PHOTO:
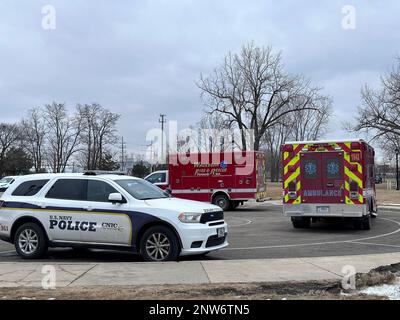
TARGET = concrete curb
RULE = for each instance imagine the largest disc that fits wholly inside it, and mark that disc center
(31, 274)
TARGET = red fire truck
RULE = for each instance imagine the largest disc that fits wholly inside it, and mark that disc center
(226, 179)
(326, 179)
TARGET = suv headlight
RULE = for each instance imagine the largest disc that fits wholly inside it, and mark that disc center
(187, 217)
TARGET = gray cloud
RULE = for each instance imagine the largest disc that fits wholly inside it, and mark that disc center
(140, 58)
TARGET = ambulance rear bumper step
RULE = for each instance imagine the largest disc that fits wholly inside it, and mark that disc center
(263, 199)
(325, 210)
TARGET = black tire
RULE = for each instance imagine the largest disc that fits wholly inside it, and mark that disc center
(233, 205)
(222, 201)
(363, 223)
(373, 213)
(38, 241)
(366, 223)
(301, 223)
(158, 234)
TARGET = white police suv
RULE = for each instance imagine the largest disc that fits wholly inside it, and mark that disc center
(107, 212)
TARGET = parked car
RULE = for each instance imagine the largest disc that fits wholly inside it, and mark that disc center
(6, 182)
(106, 212)
(378, 180)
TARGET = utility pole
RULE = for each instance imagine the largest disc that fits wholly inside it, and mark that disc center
(162, 121)
(122, 154)
(149, 154)
(397, 169)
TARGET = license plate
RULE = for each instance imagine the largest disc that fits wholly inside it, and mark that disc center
(220, 232)
(324, 209)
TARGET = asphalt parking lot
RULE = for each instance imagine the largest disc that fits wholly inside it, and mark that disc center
(259, 231)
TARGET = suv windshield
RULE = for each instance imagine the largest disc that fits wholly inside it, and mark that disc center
(141, 189)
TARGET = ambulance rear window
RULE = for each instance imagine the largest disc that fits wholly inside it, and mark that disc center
(29, 188)
(310, 168)
(333, 168)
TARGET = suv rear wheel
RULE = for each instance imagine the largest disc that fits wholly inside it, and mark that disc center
(30, 241)
(159, 244)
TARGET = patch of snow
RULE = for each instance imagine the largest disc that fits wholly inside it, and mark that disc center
(391, 291)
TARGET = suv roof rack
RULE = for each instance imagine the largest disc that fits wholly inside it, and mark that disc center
(100, 172)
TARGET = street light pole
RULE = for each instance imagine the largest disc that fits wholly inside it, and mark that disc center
(162, 121)
(397, 169)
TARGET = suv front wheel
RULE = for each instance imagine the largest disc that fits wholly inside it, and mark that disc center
(159, 243)
(30, 241)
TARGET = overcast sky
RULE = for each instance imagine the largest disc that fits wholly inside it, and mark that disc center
(141, 58)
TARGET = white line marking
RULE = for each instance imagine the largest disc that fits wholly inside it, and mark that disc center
(321, 243)
(377, 244)
(11, 251)
(242, 224)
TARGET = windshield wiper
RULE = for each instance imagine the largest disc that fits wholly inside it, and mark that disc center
(153, 198)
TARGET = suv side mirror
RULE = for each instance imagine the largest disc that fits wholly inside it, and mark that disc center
(116, 198)
(168, 191)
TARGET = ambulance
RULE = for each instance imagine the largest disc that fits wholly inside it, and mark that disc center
(329, 179)
(226, 179)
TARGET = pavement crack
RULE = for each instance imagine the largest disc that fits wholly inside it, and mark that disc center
(27, 276)
(204, 269)
(317, 266)
(82, 275)
(66, 271)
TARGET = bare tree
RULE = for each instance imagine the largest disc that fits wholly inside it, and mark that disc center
(379, 113)
(9, 138)
(214, 134)
(98, 132)
(388, 143)
(311, 124)
(63, 135)
(272, 141)
(306, 124)
(252, 90)
(34, 132)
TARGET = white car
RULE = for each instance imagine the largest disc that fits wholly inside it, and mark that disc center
(6, 182)
(108, 212)
(158, 178)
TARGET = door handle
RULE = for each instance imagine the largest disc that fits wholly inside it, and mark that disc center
(88, 208)
(329, 184)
